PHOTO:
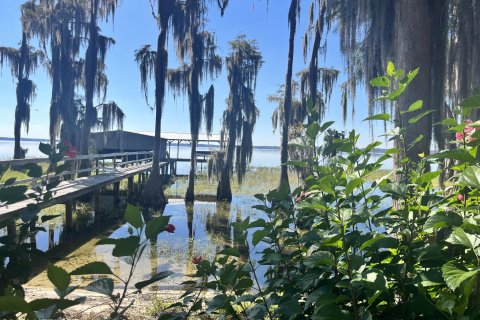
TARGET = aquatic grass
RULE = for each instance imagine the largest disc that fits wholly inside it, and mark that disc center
(256, 180)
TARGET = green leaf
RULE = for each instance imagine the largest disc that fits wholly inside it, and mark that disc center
(454, 276)
(126, 247)
(312, 130)
(103, 286)
(380, 116)
(459, 236)
(373, 279)
(319, 258)
(14, 304)
(9, 182)
(395, 189)
(13, 194)
(59, 277)
(369, 242)
(456, 154)
(428, 177)
(133, 215)
(417, 139)
(217, 303)
(352, 184)
(326, 125)
(449, 122)
(230, 252)
(417, 105)
(243, 284)
(42, 303)
(61, 168)
(419, 117)
(471, 102)
(34, 170)
(55, 157)
(390, 69)
(96, 267)
(442, 220)
(107, 241)
(289, 307)
(470, 177)
(258, 236)
(410, 76)
(382, 81)
(45, 148)
(155, 226)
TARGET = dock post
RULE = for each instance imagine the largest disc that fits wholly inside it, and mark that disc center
(130, 189)
(69, 215)
(96, 205)
(116, 193)
(12, 229)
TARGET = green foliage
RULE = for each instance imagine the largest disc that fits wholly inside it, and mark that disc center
(16, 252)
(346, 247)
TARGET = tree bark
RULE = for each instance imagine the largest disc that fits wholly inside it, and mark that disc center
(287, 106)
(18, 153)
(413, 50)
(224, 189)
(195, 112)
(91, 62)
(153, 194)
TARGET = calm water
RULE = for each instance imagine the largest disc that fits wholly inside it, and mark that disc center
(260, 157)
(201, 230)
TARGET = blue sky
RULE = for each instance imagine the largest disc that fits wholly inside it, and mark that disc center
(134, 26)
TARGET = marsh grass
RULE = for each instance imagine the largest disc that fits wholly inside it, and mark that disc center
(256, 180)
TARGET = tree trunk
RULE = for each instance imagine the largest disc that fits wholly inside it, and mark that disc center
(413, 48)
(190, 194)
(91, 63)
(224, 189)
(17, 153)
(153, 194)
(195, 112)
(287, 106)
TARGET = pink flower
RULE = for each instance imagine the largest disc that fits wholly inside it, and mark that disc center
(459, 136)
(467, 132)
(170, 228)
(197, 259)
(71, 152)
(460, 197)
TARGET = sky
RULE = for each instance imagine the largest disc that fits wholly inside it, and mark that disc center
(134, 27)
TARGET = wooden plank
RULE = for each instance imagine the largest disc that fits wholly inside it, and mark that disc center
(68, 190)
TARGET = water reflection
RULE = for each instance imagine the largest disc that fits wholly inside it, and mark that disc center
(202, 229)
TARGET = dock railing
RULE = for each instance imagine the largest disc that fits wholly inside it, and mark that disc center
(99, 163)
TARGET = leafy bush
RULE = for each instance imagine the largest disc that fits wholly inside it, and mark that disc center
(345, 247)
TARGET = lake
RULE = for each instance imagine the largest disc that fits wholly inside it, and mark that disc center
(262, 157)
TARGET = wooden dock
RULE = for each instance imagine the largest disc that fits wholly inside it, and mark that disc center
(105, 169)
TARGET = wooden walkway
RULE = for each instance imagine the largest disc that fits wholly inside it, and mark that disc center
(71, 189)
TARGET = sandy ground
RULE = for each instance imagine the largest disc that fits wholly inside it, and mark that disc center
(96, 305)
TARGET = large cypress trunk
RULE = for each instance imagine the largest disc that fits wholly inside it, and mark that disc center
(224, 189)
(17, 152)
(21, 98)
(195, 114)
(153, 195)
(413, 48)
(91, 63)
(287, 106)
